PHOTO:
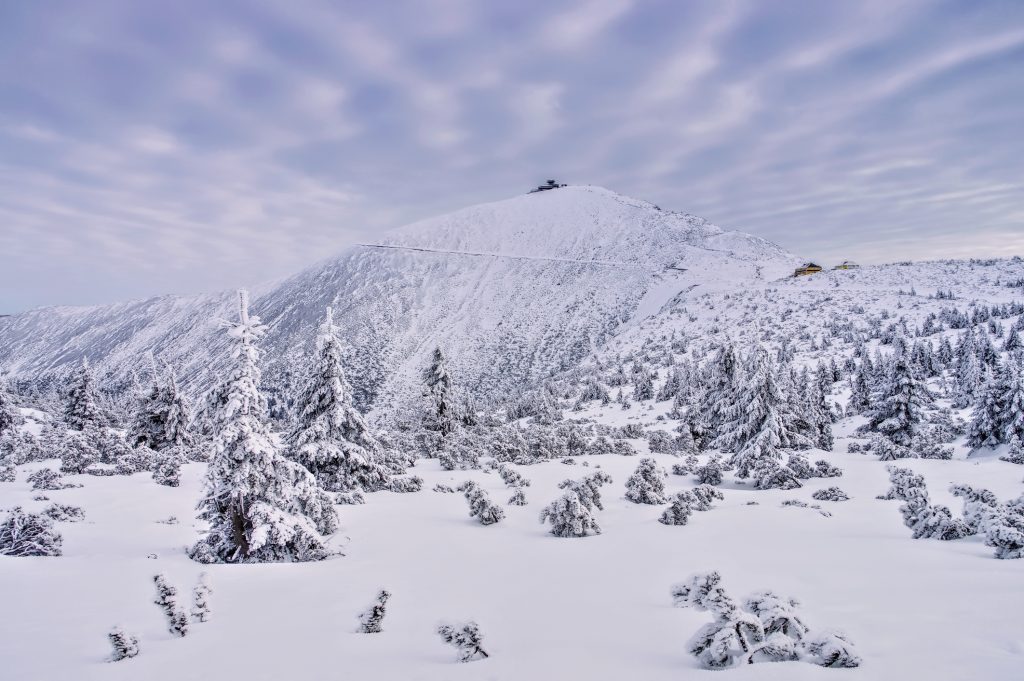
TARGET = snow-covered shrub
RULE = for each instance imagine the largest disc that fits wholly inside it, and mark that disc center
(830, 494)
(371, 620)
(679, 512)
(853, 448)
(599, 446)
(136, 460)
(801, 467)
(64, 513)
(733, 635)
(167, 467)
(777, 615)
(978, 504)
(647, 484)
(902, 480)
(466, 638)
(1004, 529)
(201, 599)
(887, 450)
(824, 469)
(661, 442)
(512, 478)
(624, 448)
(28, 534)
(770, 474)
(588, 488)
(81, 450)
(710, 473)
(408, 484)
(830, 649)
(1015, 453)
(928, 521)
(518, 498)
(570, 516)
(687, 467)
(480, 505)
(167, 599)
(123, 644)
(443, 488)
(350, 498)
(8, 473)
(703, 496)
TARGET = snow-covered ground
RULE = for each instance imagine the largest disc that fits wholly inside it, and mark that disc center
(550, 608)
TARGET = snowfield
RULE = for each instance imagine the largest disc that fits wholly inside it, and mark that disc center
(596, 607)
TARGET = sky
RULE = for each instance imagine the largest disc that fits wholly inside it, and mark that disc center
(190, 146)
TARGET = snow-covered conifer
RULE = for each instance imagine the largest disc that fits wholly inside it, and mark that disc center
(680, 510)
(331, 439)
(9, 416)
(260, 506)
(518, 498)
(512, 477)
(480, 505)
(201, 599)
(830, 494)
(778, 615)
(647, 484)
(704, 496)
(28, 534)
(928, 521)
(466, 638)
(46, 478)
(570, 515)
(978, 504)
(406, 484)
(371, 621)
(82, 407)
(768, 473)
(860, 392)
(1004, 529)
(986, 429)
(898, 409)
(829, 649)
(1015, 454)
(123, 644)
(167, 467)
(441, 413)
(81, 449)
(167, 599)
(733, 635)
(64, 513)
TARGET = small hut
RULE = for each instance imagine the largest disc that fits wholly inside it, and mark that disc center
(806, 269)
(550, 184)
(846, 265)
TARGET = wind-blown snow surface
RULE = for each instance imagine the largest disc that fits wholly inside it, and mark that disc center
(513, 291)
(594, 608)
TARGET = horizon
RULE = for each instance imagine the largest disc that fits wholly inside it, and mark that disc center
(180, 150)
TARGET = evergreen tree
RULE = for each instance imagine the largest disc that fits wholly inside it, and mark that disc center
(123, 644)
(178, 419)
(167, 599)
(480, 505)
(466, 638)
(1016, 451)
(148, 423)
(860, 391)
(588, 489)
(647, 484)
(570, 517)
(371, 620)
(1013, 399)
(441, 413)
(898, 409)
(331, 439)
(82, 407)
(733, 635)
(9, 416)
(167, 467)
(201, 599)
(761, 421)
(28, 534)
(986, 429)
(260, 506)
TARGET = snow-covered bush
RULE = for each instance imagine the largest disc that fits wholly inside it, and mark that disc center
(349, 498)
(1015, 453)
(687, 467)
(518, 498)
(466, 638)
(571, 516)
(167, 467)
(703, 496)
(201, 599)
(978, 504)
(830, 494)
(480, 505)
(167, 599)
(770, 474)
(710, 473)
(824, 469)
(647, 484)
(123, 644)
(405, 485)
(661, 442)
(371, 620)
(64, 513)
(830, 649)
(511, 477)
(28, 534)
(443, 488)
(678, 513)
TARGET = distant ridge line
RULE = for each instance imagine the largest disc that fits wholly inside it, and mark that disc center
(604, 263)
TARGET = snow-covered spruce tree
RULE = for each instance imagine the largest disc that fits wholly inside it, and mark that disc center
(466, 638)
(733, 635)
(647, 484)
(902, 480)
(512, 477)
(480, 505)
(28, 534)
(167, 467)
(201, 599)
(588, 488)
(178, 431)
(260, 506)
(1013, 399)
(761, 421)
(1003, 527)
(1016, 452)
(928, 521)
(148, 422)
(9, 416)
(331, 439)
(768, 473)
(819, 413)
(986, 429)
(897, 410)
(441, 412)
(710, 473)
(680, 510)
(82, 408)
(783, 628)
(123, 645)
(518, 498)
(167, 599)
(570, 516)
(860, 392)
(81, 449)
(717, 395)
(371, 621)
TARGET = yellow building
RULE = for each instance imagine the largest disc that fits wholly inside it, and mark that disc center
(807, 268)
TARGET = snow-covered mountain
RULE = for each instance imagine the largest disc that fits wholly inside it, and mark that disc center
(513, 291)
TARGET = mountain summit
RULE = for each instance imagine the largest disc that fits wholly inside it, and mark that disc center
(512, 290)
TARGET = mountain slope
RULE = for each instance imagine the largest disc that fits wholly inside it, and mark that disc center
(512, 290)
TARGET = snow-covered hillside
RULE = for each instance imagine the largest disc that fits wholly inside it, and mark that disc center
(513, 290)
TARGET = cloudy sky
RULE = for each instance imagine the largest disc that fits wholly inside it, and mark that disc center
(191, 145)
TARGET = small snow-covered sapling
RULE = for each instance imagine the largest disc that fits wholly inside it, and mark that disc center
(167, 599)
(124, 645)
(201, 599)
(371, 620)
(647, 484)
(466, 638)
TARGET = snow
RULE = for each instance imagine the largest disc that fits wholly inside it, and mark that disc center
(596, 607)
